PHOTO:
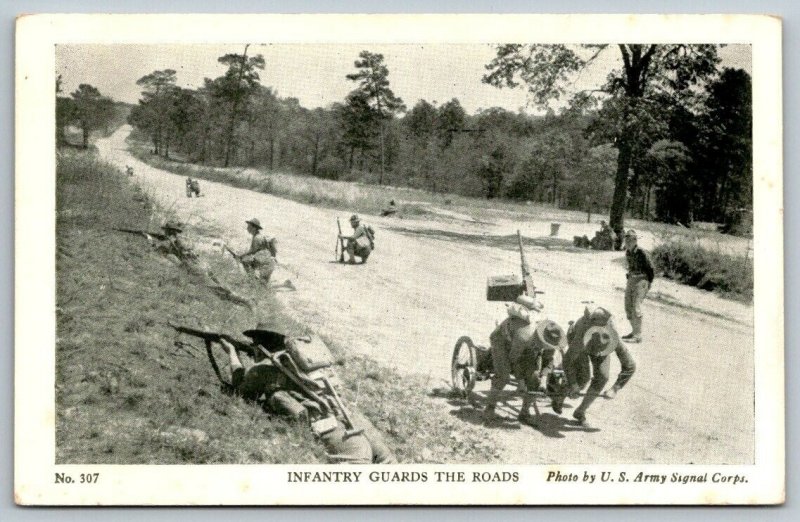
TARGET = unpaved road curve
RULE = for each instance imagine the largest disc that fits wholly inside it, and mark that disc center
(691, 400)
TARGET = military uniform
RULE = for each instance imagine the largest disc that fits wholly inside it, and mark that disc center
(261, 256)
(261, 381)
(640, 276)
(592, 338)
(361, 243)
(529, 351)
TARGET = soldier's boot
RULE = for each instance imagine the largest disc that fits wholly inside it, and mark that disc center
(611, 392)
(636, 334)
(580, 412)
(629, 336)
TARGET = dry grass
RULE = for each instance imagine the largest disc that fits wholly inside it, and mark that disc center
(127, 394)
(356, 196)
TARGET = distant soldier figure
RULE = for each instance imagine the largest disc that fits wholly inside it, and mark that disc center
(128, 170)
(527, 350)
(592, 339)
(603, 239)
(640, 276)
(192, 187)
(261, 380)
(361, 243)
(390, 210)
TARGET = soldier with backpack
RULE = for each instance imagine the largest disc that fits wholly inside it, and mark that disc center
(361, 243)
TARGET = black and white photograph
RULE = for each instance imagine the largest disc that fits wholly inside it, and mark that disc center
(480, 270)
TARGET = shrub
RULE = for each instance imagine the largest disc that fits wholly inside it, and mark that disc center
(687, 261)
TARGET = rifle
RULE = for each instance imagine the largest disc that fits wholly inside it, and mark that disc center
(144, 233)
(241, 264)
(339, 243)
(214, 337)
(527, 278)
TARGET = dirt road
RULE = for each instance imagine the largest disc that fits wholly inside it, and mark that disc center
(691, 400)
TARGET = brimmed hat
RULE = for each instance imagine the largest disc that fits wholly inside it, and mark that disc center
(354, 218)
(601, 340)
(267, 334)
(255, 222)
(172, 225)
(631, 234)
(599, 316)
(550, 335)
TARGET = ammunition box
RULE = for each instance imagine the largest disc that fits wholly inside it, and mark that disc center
(504, 288)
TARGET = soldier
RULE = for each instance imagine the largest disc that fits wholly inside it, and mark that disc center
(261, 380)
(192, 187)
(261, 257)
(529, 351)
(173, 246)
(591, 339)
(640, 276)
(128, 170)
(178, 252)
(361, 243)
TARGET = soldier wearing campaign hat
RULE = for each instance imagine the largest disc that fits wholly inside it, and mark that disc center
(526, 349)
(640, 276)
(261, 257)
(592, 338)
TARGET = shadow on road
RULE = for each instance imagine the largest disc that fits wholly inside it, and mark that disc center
(471, 410)
(506, 242)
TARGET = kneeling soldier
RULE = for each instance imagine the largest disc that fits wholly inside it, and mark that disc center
(361, 243)
(260, 258)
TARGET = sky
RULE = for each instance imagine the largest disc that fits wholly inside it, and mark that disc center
(315, 73)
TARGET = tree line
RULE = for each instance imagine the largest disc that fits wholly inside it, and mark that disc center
(667, 137)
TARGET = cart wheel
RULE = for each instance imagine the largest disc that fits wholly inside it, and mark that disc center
(464, 366)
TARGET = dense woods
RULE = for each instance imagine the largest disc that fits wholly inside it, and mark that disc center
(668, 137)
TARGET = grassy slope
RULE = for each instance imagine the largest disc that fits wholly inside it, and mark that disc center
(126, 394)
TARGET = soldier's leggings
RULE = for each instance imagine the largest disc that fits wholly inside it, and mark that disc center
(602, 365)
(635, 291)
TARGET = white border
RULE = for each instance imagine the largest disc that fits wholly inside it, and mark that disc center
(129, 485)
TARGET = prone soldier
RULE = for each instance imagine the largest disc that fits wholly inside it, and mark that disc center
(292, 377)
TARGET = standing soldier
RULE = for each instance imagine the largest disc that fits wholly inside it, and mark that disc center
(361, 243)
(591, 339)
(640, 276)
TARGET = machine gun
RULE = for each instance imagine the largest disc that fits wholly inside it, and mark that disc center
(509, 287)
(144, 233)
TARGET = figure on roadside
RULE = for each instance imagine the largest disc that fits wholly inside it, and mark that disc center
(592, 338)
(261, 258)
(390, 210)
(192, 187)
(640, 276)
(128, 170)
(529, 351)
(603, 239)
(361, 243)
(283, 386)
(176, 250)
